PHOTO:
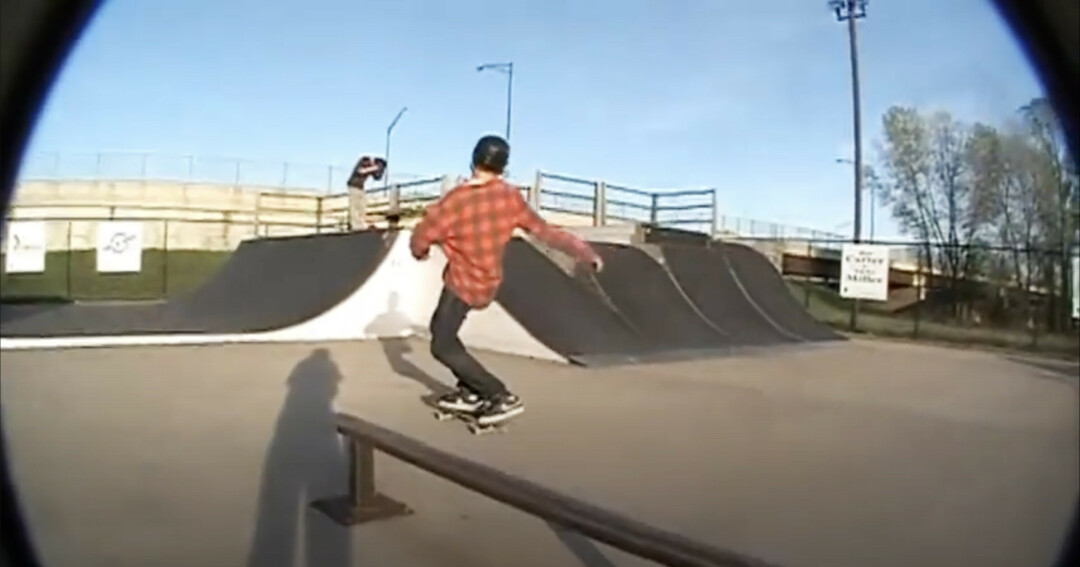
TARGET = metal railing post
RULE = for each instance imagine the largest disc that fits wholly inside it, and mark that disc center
(363, 503)
(394, 198)
(68, 278)
(256, 218)
(600, 204)
(361, 474)
(534, 193)
(807, 282)
(714, 228)
(165, 259)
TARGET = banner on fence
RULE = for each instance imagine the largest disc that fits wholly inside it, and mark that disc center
(119, 246)
(864, 272)
(25, 252)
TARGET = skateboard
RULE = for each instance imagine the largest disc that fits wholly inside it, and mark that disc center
(474, 426)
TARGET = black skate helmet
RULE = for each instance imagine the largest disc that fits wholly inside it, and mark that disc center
(491, 153)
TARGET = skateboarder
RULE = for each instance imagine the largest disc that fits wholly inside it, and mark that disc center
(473, 223)
(365, 168)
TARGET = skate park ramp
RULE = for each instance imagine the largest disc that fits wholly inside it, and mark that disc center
(638, 309)
(541, 311)
(645, 295)
(708, 278)
(492, 328)
(564, 314)
(337, 287)
(366, 285)
(766, 289)
(267, 284)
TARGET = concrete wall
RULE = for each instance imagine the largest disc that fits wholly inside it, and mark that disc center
(190, 215)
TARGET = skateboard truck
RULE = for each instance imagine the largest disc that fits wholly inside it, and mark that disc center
(474, 425)
(363, 503)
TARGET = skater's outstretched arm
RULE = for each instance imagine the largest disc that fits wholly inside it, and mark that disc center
(430, 230)
(532, 223)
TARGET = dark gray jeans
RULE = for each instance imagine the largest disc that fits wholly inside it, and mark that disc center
(447, 348)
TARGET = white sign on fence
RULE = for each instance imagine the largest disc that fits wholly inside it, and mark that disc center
(119, 246)
(25, 247)
(864, 272)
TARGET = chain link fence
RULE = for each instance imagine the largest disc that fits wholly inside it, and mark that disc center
(983, 295)
(177, 256)
(141, 166)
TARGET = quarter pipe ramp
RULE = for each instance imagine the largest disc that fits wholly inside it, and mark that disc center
(267, 284)
(767, 290)
(642, 291)
(564, 314)
(708, 279)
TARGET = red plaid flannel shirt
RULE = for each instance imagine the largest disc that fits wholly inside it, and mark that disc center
(473, 223)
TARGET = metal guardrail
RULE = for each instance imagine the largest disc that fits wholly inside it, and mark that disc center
(364, 503)
(689, 209)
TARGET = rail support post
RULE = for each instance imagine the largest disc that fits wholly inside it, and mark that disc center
(363, 503)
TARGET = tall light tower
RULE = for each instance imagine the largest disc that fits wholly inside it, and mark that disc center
(873, 206)
(849, 11)
(508, 69)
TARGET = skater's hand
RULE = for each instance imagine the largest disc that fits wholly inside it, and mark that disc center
(597, 264)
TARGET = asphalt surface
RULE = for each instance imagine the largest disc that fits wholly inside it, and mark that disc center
(853, 454)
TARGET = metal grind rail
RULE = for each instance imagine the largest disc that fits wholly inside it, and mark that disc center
(364, 503)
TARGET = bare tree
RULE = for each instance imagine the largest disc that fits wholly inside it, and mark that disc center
(1058, 194)
(927, 179)
(1007, 181)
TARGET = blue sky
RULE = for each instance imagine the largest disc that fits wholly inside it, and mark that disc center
(750, 97)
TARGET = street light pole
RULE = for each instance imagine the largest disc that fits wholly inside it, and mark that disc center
(386, 155)
(849, 11)
(870, 190)
(507, 68)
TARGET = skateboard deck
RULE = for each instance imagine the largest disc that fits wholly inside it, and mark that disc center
(474, 426)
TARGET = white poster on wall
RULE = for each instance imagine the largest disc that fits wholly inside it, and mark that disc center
(25, 253)
(864, 272)
(119, 246)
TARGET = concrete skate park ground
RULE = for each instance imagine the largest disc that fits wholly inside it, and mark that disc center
(859, 454)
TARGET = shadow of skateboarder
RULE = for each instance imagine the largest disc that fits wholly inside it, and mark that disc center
(304, 461)
(389, 328)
